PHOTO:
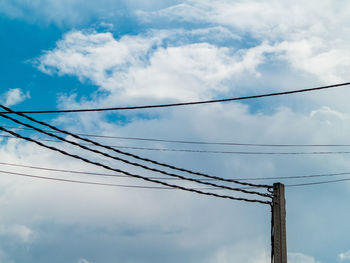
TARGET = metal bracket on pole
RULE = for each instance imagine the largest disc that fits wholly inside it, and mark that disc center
(279, 242)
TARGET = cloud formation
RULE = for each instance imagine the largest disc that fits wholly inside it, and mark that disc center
(312, 39)
(143, 67)
(76, 12)
(301, 258)
(225, 49)
(13, 97)
(344, 256)
(82, 260)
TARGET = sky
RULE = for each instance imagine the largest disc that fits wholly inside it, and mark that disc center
(73, 54)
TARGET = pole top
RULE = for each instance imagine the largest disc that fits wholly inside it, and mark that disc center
(278, 185)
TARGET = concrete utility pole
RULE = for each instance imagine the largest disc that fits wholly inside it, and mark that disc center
(279, 224)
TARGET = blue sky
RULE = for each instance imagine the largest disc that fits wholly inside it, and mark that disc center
(80, 54)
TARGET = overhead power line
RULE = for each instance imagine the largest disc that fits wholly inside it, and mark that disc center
(185, 103)
(98, 183)
(82, 182)
(134, 175)
(188, 142)
(86, 173)
(316, 183)
(136, 164)
(295, 176)
(167, 178)
(236, 152)
(202, 151)
(116, 150)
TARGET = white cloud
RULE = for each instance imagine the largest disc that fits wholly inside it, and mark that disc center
(328, 62)
(328, 115)
(164, 65)
(301, 258)
(245, 251)
(265, 19)
(21, 232)
(139, 68)
(4, 258)
(82, 260)
(13, 97)
(93, 55)
(344, 256)
(90, 206)
(75, 12)
(143, 68)
(313, 40)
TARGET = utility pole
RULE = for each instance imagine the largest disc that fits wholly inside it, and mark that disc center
(279, 241)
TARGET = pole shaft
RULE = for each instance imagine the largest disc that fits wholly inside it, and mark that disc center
(279, 224)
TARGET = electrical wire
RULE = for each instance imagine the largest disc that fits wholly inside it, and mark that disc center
(82, 182)
(185, 103)
(134, 175)
(203, 151)
(133, 163)
(116, 150)
(299, 176)
(189, 142)
(108, 175)
(83, 172)
(150, 187)
(97, 183)
(234, 152)
(316, 183)
(167, 178)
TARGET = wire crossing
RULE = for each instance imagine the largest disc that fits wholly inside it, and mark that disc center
(133, 175)
(156, 187)
(87, 173)
(203, 151)
(137, 164)
(186, 142)
(119, 151)
(96, 183)
(82, 182)
(184, 103)
(168, 178)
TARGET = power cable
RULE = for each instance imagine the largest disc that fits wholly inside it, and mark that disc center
(203, 151)
(97, 183)
(83, 182)
(151, 187)
(167, 178)
(83, 172)
(234, 152)
(299, 176)
(192, 142)
(119, 151)
(133, 163)
(134, 175)
(109, 175)
(316, 183)
(184, 103)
